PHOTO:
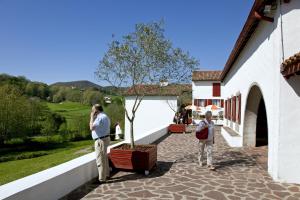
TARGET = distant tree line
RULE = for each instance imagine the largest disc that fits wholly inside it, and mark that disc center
(53, 93)
(24, 112)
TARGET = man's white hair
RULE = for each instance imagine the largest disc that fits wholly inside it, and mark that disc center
(208, 113)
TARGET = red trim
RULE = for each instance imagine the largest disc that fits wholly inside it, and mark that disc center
(229, 109)
(216, 92)
(225, 109)
(234, 109)
(209, 102)
(240, 103)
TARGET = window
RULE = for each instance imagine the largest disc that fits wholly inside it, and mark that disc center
(216, 90)
(216, 102)
(202, 102)
(195, 102)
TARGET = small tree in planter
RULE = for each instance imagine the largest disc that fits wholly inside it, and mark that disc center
(144, 57)
(185, 97)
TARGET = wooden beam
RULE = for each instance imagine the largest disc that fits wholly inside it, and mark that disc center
(262, 17)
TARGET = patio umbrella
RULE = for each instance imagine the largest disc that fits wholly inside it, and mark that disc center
(214, 107)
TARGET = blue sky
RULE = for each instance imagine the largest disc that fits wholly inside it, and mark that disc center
(63, 40)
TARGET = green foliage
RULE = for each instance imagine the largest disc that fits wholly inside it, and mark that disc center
(74, 95)
(91, 97)
(51, 124)
(14, 116)
(80, 128)
(19, 82)
(116, 114)
(24, 155)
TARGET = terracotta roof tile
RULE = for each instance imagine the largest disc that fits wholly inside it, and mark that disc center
(291, 66)
(206, 75)
(156, 90)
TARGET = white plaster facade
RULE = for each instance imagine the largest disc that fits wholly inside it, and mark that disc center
(203, 90)
(153, 113)
(256, 74)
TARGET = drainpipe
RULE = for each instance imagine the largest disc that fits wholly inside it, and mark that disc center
(281, 28)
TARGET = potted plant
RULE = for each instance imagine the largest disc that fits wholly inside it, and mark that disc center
(143, 57)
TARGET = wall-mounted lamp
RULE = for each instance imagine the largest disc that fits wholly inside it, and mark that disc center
(267, 9)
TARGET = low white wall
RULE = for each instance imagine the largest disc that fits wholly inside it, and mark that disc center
(58, 181)
(52, 183)
(232, 141)
(55, 182)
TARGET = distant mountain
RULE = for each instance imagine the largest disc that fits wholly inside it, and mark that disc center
(79, 84)
(110, 90)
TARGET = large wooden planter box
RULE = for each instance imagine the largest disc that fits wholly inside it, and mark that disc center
(143, 157)
(176, 128)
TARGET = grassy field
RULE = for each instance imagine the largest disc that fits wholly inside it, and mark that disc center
(19, 159)
(16, 169)
(13, 170)
(70, 110)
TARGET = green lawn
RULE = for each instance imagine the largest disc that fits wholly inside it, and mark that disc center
(19, 159)
(70, 110)
(13, 170)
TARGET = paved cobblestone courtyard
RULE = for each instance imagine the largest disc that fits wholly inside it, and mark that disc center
(241, 173)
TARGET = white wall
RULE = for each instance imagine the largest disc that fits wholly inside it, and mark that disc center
(203, 90)
(259, 64)
(52, 183)
(154, 112)
(58, 181)
(289, 138)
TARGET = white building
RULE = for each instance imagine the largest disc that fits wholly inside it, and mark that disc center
(261, 87)
(207, 91)
(156, 111)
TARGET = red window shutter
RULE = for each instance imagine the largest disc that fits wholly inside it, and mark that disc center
(209, 102)
(222, 103)
(229, 109)
(195, 102)
(240, 103)
(216, 89)
(205, 102)
(225, 115)
(234, 108)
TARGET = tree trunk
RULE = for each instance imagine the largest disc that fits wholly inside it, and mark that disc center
(131, 135)
(1, 141)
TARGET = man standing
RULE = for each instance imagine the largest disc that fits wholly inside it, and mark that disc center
(100, 127)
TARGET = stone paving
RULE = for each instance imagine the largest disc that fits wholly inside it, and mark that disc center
(240, 174)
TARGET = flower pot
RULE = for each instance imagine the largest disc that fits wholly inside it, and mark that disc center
(176, 128)
(142, 157)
